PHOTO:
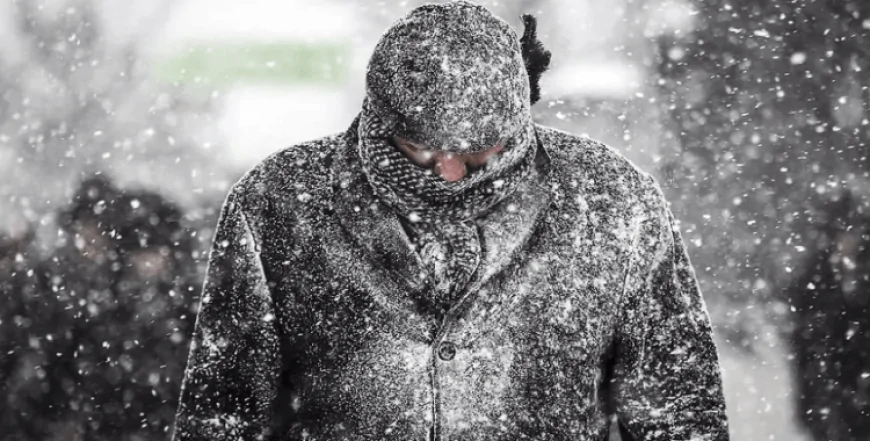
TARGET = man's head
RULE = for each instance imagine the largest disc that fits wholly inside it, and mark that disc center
(449, 88)
(453, 78)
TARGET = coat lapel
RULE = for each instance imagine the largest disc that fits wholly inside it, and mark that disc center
(373, 225)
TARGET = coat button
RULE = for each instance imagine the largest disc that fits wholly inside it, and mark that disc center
(446, 351)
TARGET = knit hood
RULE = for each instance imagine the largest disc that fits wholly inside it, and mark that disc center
(450, 76)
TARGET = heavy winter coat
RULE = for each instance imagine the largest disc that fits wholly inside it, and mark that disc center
(314, 321)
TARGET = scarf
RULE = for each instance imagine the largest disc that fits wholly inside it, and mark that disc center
(438, 214)
(453, 77)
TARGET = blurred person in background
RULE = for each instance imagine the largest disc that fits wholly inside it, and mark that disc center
(131, 376)
(448, 269)
(42, 397)
(24, 350)
(100, 345)
(831, 327)
(156, 286)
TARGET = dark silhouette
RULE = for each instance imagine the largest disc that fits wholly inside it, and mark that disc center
(831, 329)
(22, 352)
(98, 332)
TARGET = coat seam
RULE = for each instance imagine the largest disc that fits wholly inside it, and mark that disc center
(258, 246)
(631, 262)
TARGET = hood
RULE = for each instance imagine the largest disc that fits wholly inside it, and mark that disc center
(452, 77)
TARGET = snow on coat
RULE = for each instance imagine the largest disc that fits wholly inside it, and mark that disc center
(319, 319)
(313, 322)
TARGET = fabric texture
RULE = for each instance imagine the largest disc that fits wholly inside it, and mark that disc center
(451, 76)
(578, 303)
(441, 215)
(585, 307)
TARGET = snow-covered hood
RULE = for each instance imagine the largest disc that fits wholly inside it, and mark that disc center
(450, 76)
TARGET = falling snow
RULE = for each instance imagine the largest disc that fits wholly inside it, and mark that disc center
(338, 291)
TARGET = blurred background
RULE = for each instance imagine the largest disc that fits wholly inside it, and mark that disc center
(123, 125)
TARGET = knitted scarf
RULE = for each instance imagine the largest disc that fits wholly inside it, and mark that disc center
(440, 214)
(452, 77)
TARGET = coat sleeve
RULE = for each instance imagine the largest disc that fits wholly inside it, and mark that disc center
(666, 383)
(230, 382)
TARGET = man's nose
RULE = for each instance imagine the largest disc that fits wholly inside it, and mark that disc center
(450, 167)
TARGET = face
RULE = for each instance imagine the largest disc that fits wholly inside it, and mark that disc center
(450, 166)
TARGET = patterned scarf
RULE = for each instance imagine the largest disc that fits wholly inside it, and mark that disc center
(454, 77)
(440, 214)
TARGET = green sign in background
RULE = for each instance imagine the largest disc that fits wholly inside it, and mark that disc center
(272, 63)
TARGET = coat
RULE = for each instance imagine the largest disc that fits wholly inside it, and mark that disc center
(313, 322)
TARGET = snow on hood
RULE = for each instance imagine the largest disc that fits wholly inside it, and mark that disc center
(450, 76)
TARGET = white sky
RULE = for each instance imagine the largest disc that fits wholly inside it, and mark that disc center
(259, 120)
(258, 20)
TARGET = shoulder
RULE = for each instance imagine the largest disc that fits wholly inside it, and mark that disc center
(599, 175)
(297, 174)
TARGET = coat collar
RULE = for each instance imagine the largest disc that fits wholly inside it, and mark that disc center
(377, 228)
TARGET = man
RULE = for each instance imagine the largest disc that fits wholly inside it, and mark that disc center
(449, 270)
(51, 391)
(99, 330)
